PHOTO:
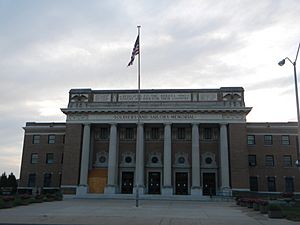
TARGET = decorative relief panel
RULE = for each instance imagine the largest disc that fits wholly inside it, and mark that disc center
(208, 160)
(232, 96)
(181, 160)
(102, 97)
(101, 159)
(79, 98)
(154, 159)
(127, 159)
(208, 97)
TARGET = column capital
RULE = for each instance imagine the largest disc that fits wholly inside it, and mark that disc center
(167, 123)
(139, 123)
(223, 124)
(87, 124)
(113, 124)
(195, 123)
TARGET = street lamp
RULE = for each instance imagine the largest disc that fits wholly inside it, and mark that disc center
(281, 63)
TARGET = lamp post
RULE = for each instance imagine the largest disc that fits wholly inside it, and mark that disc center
(281, 63)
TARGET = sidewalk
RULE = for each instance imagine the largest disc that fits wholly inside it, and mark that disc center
(124, 212)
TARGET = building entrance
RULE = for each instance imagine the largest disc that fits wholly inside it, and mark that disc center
(209, 184)
(154, 183)
(181, 182)
(127, 182)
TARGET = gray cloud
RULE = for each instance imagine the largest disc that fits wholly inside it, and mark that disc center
(49, 47)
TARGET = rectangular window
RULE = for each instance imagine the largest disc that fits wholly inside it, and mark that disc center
(253, 184)
(104, 133)
(31, 180)
(155, 133)
(268, 140)
(269, 160)
(252, 160)
(251, 140)
(49, 158)
(129, 133)
(271, 184)
(36, 139)
(285, 139)
(51, 139)
(34, 158)
(207, 133)
(47, 179)
(181, 133)
(287, 161)
(289, 184)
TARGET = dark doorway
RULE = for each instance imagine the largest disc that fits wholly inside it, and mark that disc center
(154, 183)
(209, 184)
(127, 182)
(181, 180)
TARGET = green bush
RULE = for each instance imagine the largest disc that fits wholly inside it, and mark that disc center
(274, 207)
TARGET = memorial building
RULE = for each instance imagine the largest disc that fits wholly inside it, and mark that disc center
(162, 142)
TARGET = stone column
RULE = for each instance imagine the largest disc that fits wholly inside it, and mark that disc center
(225, 188)
(111, 187)
(139, 164)
(84, 168)
(167, 185)
(196, 189)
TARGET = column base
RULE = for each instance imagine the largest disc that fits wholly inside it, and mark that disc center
(167, 191)
(81, 190)
(110, 189)
(225, 191)
(196, 191)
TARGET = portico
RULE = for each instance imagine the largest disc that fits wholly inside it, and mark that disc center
(182, 137)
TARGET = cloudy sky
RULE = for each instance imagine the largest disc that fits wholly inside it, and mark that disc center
(49, 47)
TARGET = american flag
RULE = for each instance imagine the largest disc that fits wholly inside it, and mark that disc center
(135, 51)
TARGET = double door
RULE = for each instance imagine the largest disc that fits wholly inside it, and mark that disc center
(181, 183)
(209, 184)
(127, 182)
(154, 183)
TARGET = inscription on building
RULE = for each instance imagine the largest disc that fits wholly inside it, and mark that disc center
(159, 97)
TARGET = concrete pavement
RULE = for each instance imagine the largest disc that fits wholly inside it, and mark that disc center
(124, 212)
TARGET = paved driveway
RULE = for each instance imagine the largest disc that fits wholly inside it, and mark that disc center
(124, 212)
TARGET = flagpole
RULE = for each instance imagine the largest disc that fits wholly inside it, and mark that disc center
(139, 76)
(139, 114)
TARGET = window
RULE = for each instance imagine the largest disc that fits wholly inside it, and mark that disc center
(129, 133)
(154, 159)
(181, 160)
(104, 134)
(207, 133)
(269, 160)
(51, 139)
(31, 180)
(36, 139)
(253, 184)
(50, 158)
(289, 184)
(154, 133)
(252, 160)
(287, 161)
(34, 158)
(181, 133)
(47, 179)
(251, 140)
(268, 140)
(285, 139)
(271, 184)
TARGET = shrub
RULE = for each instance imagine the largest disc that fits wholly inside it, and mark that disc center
(275, 207)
